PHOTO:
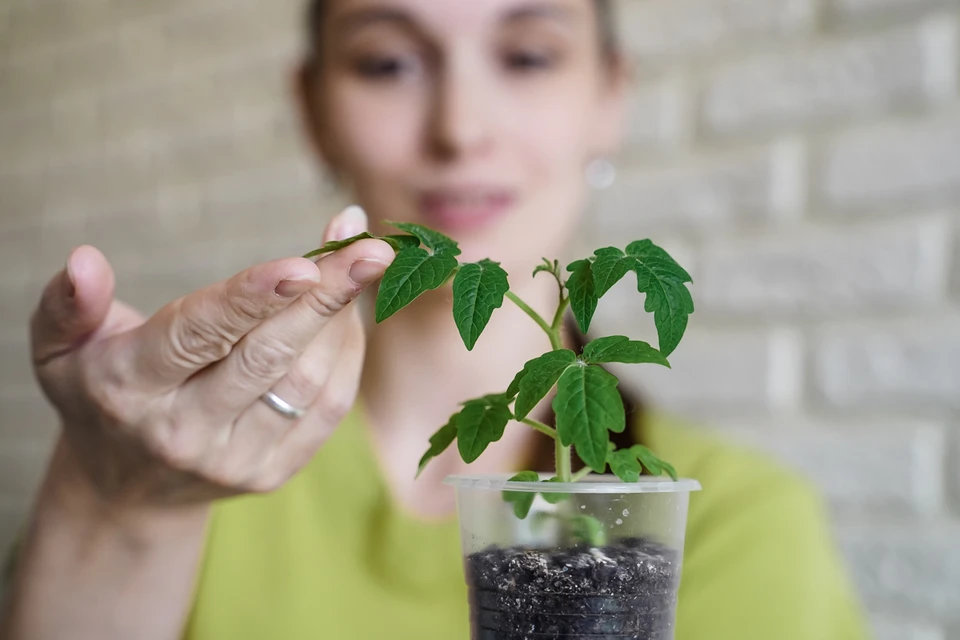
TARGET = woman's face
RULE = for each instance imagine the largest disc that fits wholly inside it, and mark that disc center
(476, 118)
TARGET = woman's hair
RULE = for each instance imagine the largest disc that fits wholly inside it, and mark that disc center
(608, 29)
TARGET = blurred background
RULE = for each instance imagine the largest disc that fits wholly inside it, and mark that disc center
(802, 156)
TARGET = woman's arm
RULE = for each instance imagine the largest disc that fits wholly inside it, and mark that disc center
(87, 570)
(162, 416)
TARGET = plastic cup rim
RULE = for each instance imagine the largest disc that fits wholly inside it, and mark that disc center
(591, 484)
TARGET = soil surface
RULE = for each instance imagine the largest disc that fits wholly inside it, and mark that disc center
(625, 592)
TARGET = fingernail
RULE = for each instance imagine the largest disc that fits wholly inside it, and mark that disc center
(365, 271)
(293, 287)
(353, 221)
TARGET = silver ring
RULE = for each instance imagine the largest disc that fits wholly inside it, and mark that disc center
(281, 406)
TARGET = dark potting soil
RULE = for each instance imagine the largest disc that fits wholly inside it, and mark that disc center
(625, 592)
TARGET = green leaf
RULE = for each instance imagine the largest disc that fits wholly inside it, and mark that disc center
(547, 267)
(439, 443)
(490, 399)
(589, 529)
(412, 272)
(627, 464)
(478, 290)
(583, 297)
(401, 242)
(670, 470)
(588, 406)
(621, 349)
(663, 280)
(554, 498)
(480, 423)
(336, 245)
(624, 464)
(610, 265)
(514, 387)
(433, 240)
(522, 500)
(654, 464)
(539, 376)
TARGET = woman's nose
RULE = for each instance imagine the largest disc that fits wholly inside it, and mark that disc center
(463, 113)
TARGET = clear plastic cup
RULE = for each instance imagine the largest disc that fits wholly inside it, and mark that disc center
(596, 559)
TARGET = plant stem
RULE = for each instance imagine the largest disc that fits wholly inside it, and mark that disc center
(564, 463)
(530, 312)
(539, 426)
(580, 475)
(564, 455)
(558, 318)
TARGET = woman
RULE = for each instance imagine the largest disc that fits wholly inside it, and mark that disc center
(475, 118)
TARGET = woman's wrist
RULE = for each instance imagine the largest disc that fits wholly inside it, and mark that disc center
(68, 499)
(92, 568)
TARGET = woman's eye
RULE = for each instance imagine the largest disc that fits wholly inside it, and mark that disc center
(525, 61)
(385, 67)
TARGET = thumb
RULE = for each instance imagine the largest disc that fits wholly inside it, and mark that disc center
(74, 304)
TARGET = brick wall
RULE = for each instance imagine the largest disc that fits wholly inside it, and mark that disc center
(802, 156)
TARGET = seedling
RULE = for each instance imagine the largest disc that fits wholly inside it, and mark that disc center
(587, 406)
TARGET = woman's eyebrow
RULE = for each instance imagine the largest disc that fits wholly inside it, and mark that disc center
(359, 18)
(540, 10)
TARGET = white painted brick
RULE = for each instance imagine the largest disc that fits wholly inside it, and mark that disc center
(38, 24)
(282, 182)
(886, 628)
(22, 134)
(657, 114)
(913, 570)
(21, 469)
(827, 272)
(847, 459)
(894, 164)
(713, 372)
(24, 194)
(955, 275)
(671, 29)
(80, 179)
(88, 63)
(908, 365)
(27, 420)
(15, 368)
(16, 303)
(839, 78)
(12, 521)
(5, 11)
(20, 244)
(858, 9)
(214, 29)
(705, 192)
(955, 470)
(74, 123)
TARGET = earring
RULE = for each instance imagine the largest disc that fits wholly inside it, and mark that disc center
(601, 174)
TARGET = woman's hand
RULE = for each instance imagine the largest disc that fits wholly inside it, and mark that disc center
(167, 410)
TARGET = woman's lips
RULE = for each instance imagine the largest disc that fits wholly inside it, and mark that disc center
(465, 209)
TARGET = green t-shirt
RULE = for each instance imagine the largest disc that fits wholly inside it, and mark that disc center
(331, 557)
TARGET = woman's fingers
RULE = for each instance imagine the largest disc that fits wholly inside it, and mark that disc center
(200, 329)
(268, 352)
(73, 305)
(297, 446)
(259, 428)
